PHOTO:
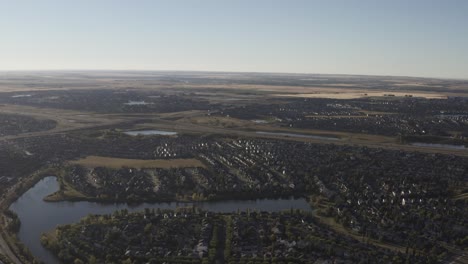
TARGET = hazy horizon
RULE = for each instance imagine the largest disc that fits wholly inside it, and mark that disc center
(376, 38)
(24, 71)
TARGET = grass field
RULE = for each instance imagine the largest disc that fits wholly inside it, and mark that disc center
(117, 163)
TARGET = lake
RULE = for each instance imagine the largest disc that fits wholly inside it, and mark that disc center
(149, 133)
(38, 216)
(445, 146)
(296, 135)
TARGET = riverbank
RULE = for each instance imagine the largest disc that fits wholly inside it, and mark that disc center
(38, 216)
(11, 247)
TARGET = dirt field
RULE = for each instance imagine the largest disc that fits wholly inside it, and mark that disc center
(117, 163)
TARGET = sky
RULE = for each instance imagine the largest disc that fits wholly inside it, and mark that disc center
(424, 38)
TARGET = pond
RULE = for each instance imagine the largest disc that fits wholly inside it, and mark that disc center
(445, 146)
(260, 121)
(38, 216)
(149, 133)
(21, 95)
(137, 103)
(296, 135)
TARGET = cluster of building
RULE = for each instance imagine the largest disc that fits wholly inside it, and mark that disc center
(390, 195)
(148, 236)
(192, 236)
(402, 116)
(388, 124)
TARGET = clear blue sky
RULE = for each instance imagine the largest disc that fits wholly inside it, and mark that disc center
(383, 37)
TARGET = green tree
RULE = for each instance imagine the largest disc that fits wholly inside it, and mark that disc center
(92, 260)
(148, 228)
(127, 261)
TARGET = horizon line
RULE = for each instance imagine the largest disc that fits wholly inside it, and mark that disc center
(231, 72)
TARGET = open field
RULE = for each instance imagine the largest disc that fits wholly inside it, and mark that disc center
(241, 82)
(359, 94)
(117, 163)
(67, 120)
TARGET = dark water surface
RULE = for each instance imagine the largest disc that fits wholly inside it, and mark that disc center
(38, 216)
(150, 133)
